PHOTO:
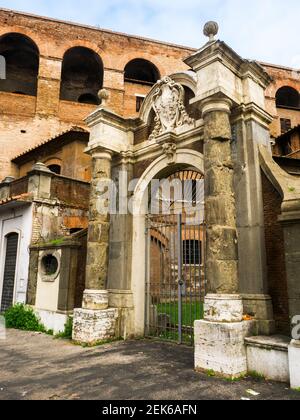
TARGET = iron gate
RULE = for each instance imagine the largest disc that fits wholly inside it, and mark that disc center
(175, 282)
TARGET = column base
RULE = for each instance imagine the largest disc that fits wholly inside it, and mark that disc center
(220, 347)
(223, 308)
(92, 326)
(294, 364)
(95, 299)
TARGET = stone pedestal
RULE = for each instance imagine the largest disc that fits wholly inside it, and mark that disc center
(219, 347)
(219, 339)
(294, 364)
(95, 321)
(91, 327)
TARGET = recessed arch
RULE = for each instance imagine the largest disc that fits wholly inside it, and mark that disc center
(287, 97)
(22, 64)
(186, 158)
(82, 76)
(141, 71)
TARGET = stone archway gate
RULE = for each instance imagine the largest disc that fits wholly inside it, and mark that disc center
(224, 134)
(175, 250)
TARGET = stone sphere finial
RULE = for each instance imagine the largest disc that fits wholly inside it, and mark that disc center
(103, 95)
(210, 30)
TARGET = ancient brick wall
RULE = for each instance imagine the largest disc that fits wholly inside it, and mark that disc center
(277, 278)
(281, 77)
(28, 120)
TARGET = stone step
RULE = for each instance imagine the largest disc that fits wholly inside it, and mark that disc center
(268, 356)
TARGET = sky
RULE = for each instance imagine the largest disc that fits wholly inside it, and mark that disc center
(266, 30)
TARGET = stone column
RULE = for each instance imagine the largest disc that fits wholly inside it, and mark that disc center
(219, 339)
(95, 321)
(98, 233)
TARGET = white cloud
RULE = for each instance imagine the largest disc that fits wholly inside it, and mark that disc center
(265, 30)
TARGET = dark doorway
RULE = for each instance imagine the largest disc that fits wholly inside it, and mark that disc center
(9, 271)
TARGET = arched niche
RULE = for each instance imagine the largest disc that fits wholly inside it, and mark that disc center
(21, 56)
(82, 76)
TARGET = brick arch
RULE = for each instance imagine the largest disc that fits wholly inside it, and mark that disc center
(121, 62)
(36, 40)
(83, 44)
(278, 84)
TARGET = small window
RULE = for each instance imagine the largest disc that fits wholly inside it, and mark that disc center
(55, 168)
(192, 252)
(286, 125)
(49, 265)
(139, 103)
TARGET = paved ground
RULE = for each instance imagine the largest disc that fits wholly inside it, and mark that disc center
(34, 366)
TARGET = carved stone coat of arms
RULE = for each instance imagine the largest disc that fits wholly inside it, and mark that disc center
(168, 104)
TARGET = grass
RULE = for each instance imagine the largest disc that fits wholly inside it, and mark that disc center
(67, 333)
(98, 343)
(256, 375)
(191, 311)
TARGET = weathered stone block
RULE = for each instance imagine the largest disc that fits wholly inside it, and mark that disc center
(222, 276)
(218, 126)
(90, 327)
(98, 232)
(222, 243)
(219, 347)
(221, 212)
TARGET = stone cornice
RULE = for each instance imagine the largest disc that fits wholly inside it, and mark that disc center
(251, 111)
(219, 51)
(104, 115)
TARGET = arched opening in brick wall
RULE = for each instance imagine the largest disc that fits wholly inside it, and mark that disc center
(141, 71)
(288, 97)
(22, 64)
(82, 76)
(139, 76)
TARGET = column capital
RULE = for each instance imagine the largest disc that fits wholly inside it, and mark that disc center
(99, 152)
(213, 104)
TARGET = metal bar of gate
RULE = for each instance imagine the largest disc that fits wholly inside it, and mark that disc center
(148, 277)
(179, 227)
